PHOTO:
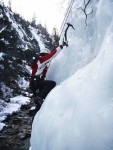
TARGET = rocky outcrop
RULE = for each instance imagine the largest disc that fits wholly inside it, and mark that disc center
(20, 41)
(16, 134)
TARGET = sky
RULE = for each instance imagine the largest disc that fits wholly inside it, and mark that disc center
(47, 12)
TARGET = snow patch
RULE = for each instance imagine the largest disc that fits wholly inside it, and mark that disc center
(20, 100)
(13, 106)
(37, 37)
(1, 126)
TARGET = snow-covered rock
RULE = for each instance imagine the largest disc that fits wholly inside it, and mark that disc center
(20, 41)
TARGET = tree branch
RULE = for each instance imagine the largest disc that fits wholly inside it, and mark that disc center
(84, 10)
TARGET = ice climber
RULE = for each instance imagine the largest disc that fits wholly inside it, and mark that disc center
(38, 83)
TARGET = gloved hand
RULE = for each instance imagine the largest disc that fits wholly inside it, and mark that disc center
(61, 46)
(64, 43)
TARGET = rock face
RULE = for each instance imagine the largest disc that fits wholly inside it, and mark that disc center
(20, 40)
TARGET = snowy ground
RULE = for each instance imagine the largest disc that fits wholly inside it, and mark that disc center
(13, 106)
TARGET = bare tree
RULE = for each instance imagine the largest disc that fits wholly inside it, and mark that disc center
(84, 10)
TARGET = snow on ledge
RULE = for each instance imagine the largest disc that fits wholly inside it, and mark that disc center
(1, 125)
(13, 106)
(20, 100)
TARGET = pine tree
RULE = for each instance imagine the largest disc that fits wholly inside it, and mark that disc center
(55, 37)
(9, 4)
(33, 22)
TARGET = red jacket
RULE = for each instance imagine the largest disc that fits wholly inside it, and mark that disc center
(40, 67)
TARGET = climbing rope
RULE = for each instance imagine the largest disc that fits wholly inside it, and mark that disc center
(66, 16)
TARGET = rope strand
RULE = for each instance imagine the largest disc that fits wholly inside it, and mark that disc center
(66, 16)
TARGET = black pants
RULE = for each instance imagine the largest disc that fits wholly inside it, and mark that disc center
(41, 88)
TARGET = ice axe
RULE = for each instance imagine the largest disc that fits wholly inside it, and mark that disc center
(65, 41)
